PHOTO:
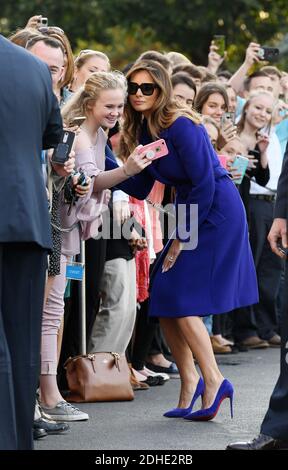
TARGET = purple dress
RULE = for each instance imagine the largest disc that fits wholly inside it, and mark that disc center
(219, 274)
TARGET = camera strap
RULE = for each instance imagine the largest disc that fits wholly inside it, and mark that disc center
(65, 230)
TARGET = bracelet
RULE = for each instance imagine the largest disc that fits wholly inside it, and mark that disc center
(125, 172)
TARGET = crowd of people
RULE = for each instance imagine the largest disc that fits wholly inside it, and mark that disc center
(209, 118)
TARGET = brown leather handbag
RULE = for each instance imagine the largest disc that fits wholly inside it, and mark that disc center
(101, 376)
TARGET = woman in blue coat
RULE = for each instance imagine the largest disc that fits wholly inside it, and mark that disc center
(192, 279)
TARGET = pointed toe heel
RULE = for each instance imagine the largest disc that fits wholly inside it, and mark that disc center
(225, 391)
(181, 412)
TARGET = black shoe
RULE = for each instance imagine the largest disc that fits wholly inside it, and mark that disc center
(154, 380)
(261, 442)
(51, 427)
(38, 433)
(172, 369)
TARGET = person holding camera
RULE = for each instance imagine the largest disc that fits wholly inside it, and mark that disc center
(191, 278)
(25, 237)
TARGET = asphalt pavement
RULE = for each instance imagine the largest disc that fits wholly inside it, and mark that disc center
(139, 424)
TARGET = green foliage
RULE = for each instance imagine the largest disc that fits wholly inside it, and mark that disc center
(124, 28)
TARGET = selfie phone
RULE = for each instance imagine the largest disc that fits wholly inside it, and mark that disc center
(268, 53)
(64, 147)
(219, 41)
(155, 150)
(240, 164)
(223, 161)
(226, 118)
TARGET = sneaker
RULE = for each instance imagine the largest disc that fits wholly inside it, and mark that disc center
(64, 411)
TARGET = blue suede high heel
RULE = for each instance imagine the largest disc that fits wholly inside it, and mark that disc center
(225, 391)
(181, 412)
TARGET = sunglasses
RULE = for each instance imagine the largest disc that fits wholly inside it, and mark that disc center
(50, 29)
(147, 89)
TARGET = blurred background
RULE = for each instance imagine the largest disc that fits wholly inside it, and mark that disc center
(125, 28)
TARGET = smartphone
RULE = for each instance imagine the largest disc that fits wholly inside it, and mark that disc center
(282, 249)
(155, 150)
(78, 120)
(64, 147)
(44, 21)
(223, 161)
(219, 41)
(240, 164)
(268, 53)
(227, 118)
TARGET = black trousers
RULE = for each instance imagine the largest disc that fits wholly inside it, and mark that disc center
(275, 423)
(22, 281)
(268, 267)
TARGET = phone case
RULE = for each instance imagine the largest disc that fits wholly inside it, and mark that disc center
(223, 161)
(240, 164)
(61, 152)
(155, 150)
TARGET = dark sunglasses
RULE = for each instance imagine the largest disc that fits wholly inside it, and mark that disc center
(147, 89)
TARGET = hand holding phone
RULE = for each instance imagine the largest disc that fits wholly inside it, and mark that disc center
(155, 150)
(268, 53)
(219, 42)
(240, 165)
(227, 118)
(63, 149)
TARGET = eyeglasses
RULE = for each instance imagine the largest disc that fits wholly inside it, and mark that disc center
(147, 89)
(50, 29)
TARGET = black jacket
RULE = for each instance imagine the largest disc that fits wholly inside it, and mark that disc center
(30, 121)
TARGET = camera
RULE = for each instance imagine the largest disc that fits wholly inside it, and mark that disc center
(268, 53)
(70, 195)
(44, 21)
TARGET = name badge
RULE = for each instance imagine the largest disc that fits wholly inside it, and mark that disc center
(75, 271)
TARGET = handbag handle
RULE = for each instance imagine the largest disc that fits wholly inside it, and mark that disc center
(91, 357)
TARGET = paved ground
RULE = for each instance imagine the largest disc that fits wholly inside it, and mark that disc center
(139, 424)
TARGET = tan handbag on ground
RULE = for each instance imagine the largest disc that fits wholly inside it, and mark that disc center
(101, 376)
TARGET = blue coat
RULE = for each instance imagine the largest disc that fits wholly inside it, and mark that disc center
(219, 274)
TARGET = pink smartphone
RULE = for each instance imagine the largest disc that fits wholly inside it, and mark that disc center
(155, 150)
(223, 161)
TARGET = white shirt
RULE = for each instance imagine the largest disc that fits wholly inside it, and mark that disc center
(275, 160)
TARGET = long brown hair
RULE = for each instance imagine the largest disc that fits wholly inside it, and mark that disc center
(207, 90)
(164, 112)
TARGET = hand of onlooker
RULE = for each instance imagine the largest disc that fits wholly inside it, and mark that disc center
(284, 82)
(252, 54)
(214, 59)
(80, 190)
(121, 211)
(262, 141)
(233, 171)
(278, 233)
(68, 167)
(227, 133)
(136, 242)
(136, 162)
(280, 112)
(34, 22)
(252, 162)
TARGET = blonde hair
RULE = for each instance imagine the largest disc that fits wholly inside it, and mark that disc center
(252, 96)
(177, 58)
(82, 100)
(87, 54)
(164, 112)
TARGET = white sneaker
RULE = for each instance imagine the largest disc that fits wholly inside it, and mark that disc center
(64, 411)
